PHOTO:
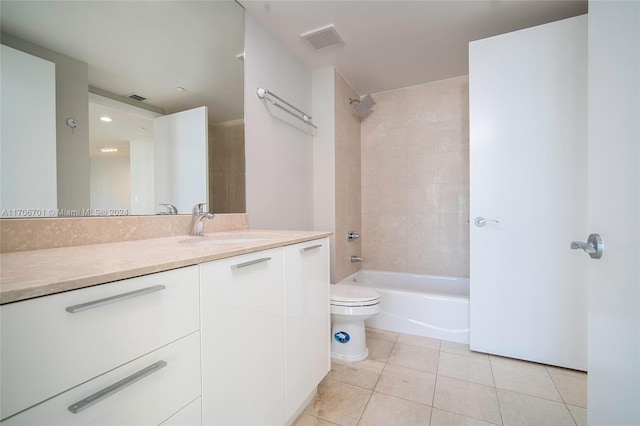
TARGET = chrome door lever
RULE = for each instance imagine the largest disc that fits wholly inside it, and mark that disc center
(594, 246)
(481, 221)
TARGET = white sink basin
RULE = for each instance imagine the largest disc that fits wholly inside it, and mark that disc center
(202, 241)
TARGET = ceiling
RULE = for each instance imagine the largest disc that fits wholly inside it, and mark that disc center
(394, 44)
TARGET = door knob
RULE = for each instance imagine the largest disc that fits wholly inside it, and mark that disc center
(594, 246)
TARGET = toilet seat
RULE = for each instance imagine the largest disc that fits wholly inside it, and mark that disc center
(352, 296)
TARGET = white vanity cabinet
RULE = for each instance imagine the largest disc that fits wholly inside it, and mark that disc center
(265, 333)
(307, 320)
(95, 337)
(243, 354)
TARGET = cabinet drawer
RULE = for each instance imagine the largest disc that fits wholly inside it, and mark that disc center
(150, 400)
(46, 349)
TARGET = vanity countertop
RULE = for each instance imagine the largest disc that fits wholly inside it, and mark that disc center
(28, 274)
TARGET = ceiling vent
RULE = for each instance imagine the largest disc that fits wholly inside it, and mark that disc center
(323, 37)
(136, 97)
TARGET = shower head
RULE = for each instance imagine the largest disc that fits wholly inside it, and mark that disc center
(363, 106)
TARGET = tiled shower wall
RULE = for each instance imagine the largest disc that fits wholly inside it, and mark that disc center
(226, 167)
(415, 179)
(347, 172)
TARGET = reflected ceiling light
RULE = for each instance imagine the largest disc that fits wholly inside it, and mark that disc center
(106, 150)
(106, 119)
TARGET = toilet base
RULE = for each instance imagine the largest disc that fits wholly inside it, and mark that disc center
(348, 341)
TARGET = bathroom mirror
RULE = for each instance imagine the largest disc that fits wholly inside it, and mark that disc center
(142, 60)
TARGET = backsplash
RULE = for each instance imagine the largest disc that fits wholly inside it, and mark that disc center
(36, 234)
(415, 179)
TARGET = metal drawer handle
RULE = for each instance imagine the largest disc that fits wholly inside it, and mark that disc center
(116, 387)
(113, 299)
(251, 262)
(310, 248)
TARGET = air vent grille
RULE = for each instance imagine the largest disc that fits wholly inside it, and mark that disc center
(324, 37)
(136, 97)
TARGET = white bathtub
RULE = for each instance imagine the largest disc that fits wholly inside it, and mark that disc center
(423, 305)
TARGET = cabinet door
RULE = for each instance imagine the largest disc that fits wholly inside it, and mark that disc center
(307, 319)
(243, 359)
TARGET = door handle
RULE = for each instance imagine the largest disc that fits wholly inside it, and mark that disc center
(481, 221)
(594, 246)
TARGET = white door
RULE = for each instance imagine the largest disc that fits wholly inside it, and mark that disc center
(528, 154)
(181, 159)
(614, 212)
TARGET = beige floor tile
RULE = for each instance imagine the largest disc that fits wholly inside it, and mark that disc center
(376, 333)
(466, 398)
(572, 389)
(307, 420)
(460, 349)
(519, 409)
(447, 418)
(416, 386)
(579, 415)
(379, 350)
(523, 377)
(423, 342)
(364, 373)
(566, 371)
(339, 403)
(386, 410)
(465, 368)
(415, 357)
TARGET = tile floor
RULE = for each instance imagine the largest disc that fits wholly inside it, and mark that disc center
(410, 380)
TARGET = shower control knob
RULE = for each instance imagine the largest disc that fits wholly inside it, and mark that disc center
(352, 235)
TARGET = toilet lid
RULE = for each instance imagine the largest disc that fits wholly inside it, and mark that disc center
(351, 293)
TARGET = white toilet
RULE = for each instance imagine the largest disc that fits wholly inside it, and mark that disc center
(351, 305)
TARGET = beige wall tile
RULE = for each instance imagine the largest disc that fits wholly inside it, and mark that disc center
(416, 145)
(423, 199)
(348, 175)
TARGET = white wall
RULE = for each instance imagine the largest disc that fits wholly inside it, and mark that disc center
(279, 148)
(324, 151)
(614, 212)
(110, 186)
(28, 139)
(141, 155)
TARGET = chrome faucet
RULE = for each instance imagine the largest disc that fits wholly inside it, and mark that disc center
(171, 209)
(199, 215)
(357, 259)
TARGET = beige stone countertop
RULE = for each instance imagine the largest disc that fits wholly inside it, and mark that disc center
(28, 274)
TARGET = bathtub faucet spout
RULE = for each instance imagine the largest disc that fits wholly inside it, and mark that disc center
(356, 259)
